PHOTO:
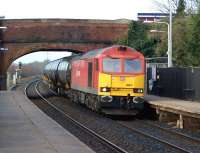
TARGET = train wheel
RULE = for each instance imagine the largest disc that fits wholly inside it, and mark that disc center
(97, 106)
(59, 91)
(82, 98)
(74, 97)
(90, 103)
(87, 101)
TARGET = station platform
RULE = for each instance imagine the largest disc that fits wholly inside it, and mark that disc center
(182, 108)
(188, 108)
(24, 128)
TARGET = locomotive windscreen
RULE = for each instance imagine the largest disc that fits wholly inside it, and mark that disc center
(111, 65)
(132, 66)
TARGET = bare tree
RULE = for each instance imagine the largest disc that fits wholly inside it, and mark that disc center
(193, 5)
(163, 5)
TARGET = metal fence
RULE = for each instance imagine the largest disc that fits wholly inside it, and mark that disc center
(183, 83)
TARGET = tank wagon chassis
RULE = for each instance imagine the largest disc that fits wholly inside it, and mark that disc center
(108, 80)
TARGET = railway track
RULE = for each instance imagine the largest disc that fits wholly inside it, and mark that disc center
(181, 142)
(173, 132)
(109, 145)
(155, 133)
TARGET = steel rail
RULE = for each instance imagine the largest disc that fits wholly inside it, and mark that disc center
(196, 140)
(28, 85)
(155, 138)
(87, 130)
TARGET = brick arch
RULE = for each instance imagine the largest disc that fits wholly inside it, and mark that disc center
(20, 51)
(25, 36)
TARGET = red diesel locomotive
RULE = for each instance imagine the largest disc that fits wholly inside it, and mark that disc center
(109, 80)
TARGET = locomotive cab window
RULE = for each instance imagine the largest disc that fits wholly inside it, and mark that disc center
(97, 64)
(90, 74)
(132, 66)
(111, 65)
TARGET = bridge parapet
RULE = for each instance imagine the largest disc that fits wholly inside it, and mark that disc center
(64, 30)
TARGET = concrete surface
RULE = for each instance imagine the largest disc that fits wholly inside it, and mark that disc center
(26, 129)
(188, 108)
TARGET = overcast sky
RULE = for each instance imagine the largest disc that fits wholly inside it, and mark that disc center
(73, 9)
(79, 9)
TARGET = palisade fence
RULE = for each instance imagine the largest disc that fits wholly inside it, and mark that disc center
(182, 83)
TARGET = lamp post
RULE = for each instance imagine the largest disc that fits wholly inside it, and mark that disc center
(169, 50)
(170, 64)
(169, 35)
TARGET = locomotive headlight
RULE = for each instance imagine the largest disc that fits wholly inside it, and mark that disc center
(105, 89)
(138, 90)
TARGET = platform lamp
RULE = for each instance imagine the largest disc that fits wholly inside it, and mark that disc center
(169, 25)
(168, 35)
(169, 31)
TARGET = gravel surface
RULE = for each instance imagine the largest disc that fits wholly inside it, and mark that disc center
(192, 133)
(106, 127)
(89, 140)
(110, 129)
(166, 135)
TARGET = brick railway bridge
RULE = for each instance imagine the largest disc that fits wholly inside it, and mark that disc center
(24, 36)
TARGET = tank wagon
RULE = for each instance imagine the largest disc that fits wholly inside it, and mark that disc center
(109, 80)
(58, 73)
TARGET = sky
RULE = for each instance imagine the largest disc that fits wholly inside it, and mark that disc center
(41, 56)
(72, 9)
